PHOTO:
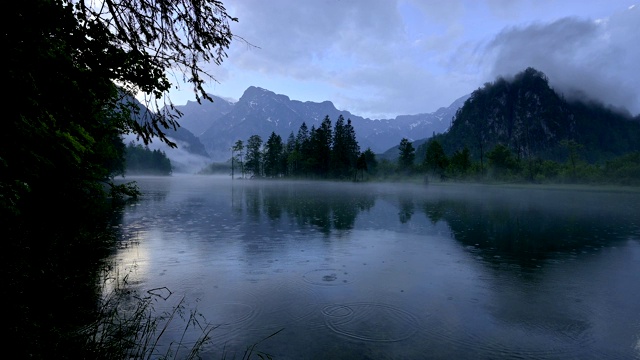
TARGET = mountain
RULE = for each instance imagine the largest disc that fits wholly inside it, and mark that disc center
(531, 119)
(260, 112)
(198, 117)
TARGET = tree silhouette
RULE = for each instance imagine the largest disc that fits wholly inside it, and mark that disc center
(407, 155)
(435, 159)
(254, 155)
(273, 153)
(237, 148)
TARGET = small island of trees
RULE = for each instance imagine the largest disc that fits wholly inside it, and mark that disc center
(326, 152)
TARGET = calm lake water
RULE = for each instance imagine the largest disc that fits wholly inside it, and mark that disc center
(394, 271)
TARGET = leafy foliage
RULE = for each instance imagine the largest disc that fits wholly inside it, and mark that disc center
(75, 66)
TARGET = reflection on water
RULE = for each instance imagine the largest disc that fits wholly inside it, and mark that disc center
(307, 204)
(526, 228)
(355, 271)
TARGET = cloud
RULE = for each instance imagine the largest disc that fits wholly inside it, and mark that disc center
(597, 58)
(293, 38)
(381, 58)
(369, 54)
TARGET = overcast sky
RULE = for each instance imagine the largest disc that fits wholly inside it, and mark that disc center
(382, 58)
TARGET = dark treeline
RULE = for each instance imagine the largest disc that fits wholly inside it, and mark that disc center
(501, 164)
(141, 160)
(324, 152)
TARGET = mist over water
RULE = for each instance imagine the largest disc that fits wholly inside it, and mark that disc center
(355, 271)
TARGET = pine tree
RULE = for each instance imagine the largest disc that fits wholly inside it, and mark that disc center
(345, 149)
(303, 147)
(321, 144)
(353, 149)
(273, 156)
(339, 153)
(254, 155)
(236, 156)
(435, 159)
(291, 155)
(407, 155)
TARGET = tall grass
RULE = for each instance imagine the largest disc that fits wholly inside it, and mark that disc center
(128, 326)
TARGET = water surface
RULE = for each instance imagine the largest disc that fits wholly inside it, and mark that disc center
(394, 271)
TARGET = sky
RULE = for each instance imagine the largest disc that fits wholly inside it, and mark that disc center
(383, 58)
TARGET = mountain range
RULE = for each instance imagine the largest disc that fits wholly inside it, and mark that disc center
(219, 124)
(524, 114)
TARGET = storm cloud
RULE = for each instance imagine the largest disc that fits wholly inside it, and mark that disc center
(597, 59)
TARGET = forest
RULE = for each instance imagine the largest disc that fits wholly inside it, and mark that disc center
(140, 160)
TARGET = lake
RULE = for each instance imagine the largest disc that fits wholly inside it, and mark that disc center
(391, 271)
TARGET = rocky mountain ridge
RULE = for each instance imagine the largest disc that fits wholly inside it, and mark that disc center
(260, 112)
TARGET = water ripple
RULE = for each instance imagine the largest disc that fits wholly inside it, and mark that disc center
(327, 277)
(374, 322)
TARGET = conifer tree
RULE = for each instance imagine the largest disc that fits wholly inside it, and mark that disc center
(435, 159)
(407, 155)
(321, 144)
(339, 154)
(273, 152)
(236, 156)
(253, 156)
(353, 149)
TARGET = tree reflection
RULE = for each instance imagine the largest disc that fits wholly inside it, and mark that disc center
(525, 231)
(406, 208)
(317, 204)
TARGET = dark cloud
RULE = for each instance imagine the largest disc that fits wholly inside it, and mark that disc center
(596, 58)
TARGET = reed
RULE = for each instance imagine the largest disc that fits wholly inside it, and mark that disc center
(128, 326)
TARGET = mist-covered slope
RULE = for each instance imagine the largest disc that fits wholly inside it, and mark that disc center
(530, 118)
(189, 156)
